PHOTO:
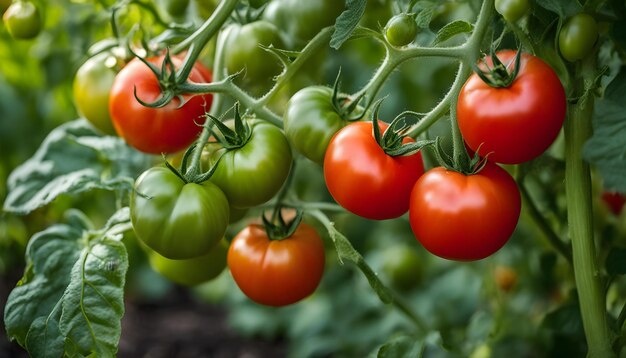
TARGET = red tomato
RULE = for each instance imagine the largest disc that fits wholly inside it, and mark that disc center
(364, 179)
(156, 130)
(464, 217)
(615, 201)
(276, 272)
(516, 123)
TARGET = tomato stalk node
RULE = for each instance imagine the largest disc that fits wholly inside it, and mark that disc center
(228, 138)
(348, 108)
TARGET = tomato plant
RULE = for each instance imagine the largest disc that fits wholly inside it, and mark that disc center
(578, 36)
(155, 130)
(276, 272)
(464, 217)
(23, 20)
(514, 123)
(401, 30)
(193, 271)
(92, 86)
(364, 179)
(176, 219)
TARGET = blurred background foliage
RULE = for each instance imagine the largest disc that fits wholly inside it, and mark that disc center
(519, 303)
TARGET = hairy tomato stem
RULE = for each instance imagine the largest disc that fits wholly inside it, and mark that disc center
(580, 219)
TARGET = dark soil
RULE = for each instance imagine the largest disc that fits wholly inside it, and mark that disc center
(176, 327)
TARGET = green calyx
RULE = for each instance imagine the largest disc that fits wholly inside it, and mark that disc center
(347, 108)
(277, 228)
(391, 140)
(169, 82)
(228, 138)
(499, 75)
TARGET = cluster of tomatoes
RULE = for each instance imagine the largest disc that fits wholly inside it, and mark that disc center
(182, 216)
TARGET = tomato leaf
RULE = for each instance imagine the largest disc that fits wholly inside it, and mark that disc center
(562, 8)
(70, 300)
(346, 251)
(403, 346)
(72, 159)
(425, 16)
(452, 29)
(607, 147)
(347, 22)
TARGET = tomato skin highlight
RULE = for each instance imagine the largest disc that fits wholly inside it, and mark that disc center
(91, 88)
(513, 124)
(276, 272)
(464, 217)
(155, 130)
(366, 181)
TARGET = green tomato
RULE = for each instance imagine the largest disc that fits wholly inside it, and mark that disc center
(403, 266)
(253, 173)
(577, 37)
(176, 219)
(512, 10)
(23, 20)
(176, 7)
(92, 85)
(243, 52)
(401, 30)
(194, 271)
(311, 120)
(301, 20)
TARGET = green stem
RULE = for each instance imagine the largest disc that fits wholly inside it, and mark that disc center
(621, 319)
(201, 37)
(580, 218)
(543, 225)
(218, 65)
(311, 49)
(459, 154)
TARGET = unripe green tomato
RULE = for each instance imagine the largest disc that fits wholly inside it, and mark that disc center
(91, 87)
(176, 7)
(577, 37)
(512, 10)
(194, 271)
(22, 19)
(243, 52)
(401, 30)
(403, 266)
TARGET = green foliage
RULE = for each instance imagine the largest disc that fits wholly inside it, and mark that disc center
(452, 29)
(606, 148)
(72, 159)
(71, 296)
(347, 22)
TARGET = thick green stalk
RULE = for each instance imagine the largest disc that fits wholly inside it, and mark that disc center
(580, 220)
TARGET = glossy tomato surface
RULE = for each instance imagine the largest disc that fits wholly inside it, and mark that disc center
(364, 179)
(155, 130)
(464, 217)
(176, 219)
(517, 123)
(276, 272)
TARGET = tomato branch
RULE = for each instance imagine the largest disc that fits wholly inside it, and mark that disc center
(580, 217)
(201, 37)
(539, 219)
(345, 250)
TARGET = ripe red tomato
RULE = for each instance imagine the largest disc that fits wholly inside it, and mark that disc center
(464, 217)
(614, 201)
(364, 179)
(276, 272)
(155, 130)
(515, 123)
